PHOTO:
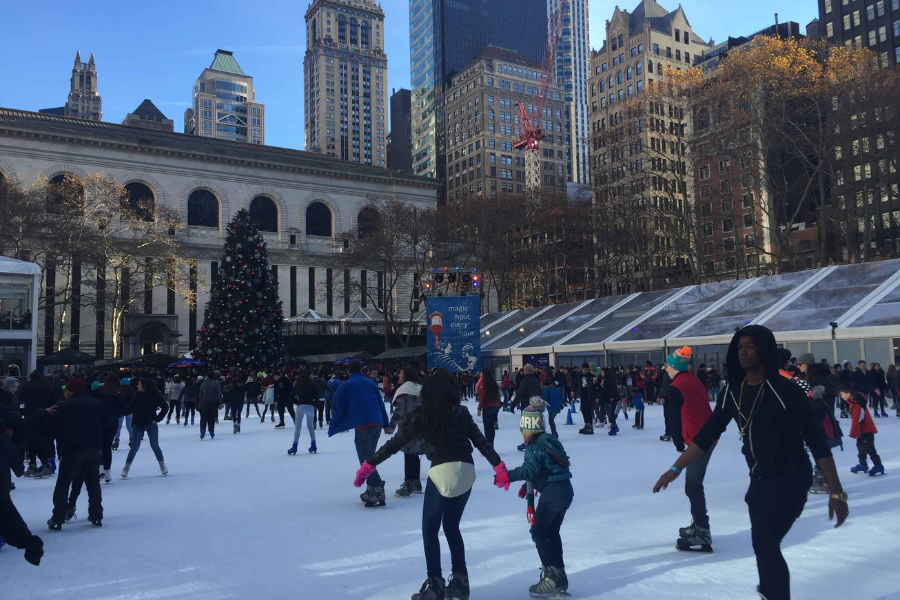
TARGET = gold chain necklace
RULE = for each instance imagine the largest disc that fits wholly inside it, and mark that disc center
(749, 417)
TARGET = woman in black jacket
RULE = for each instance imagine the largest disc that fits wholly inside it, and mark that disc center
(305, 397)
(449, 432)
(188, 398)
(110, 394)
(233, 394)
(144, 406)
(878, 385)
(36, 395)
(774, 420)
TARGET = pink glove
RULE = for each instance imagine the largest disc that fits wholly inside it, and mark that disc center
(529, 515)
(501, 479)
(364, 471)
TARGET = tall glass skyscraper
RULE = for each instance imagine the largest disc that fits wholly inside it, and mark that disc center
(445, 36)
(573, 65)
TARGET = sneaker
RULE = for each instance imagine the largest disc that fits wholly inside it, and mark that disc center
(432, 589)
(405, 490)
(457, 587)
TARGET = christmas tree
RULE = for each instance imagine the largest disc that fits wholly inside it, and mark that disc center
(243, 325)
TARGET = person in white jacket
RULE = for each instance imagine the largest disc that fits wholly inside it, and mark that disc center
(173, 396)
(406, 400)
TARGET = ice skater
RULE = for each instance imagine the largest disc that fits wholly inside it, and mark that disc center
(144, 405)
(546, 471)
(13, 529)
(305, 397)
(774, 420)
(863, 431)
(447, 429)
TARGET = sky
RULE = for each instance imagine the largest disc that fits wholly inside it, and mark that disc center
(157, 50)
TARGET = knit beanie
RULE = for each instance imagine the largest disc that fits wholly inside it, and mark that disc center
(95, 385)
(532, 420)
(680, 360)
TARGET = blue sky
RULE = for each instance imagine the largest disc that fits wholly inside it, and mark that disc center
(157, 49)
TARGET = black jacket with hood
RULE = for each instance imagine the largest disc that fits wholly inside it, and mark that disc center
(773, 443)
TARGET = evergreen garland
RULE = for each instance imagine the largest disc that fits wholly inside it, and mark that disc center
(243, 327)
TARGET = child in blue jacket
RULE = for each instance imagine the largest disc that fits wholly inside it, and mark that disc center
(637, 403)
(545, 470)
(553, 400)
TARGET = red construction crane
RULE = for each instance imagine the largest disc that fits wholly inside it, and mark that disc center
(531, 130)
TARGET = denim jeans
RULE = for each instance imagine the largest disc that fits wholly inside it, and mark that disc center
(694, 474)
(439, 511)
(490, 415)
(152, 431)
(127, 420)
(548, 518)
(307, 411)
(366, 441)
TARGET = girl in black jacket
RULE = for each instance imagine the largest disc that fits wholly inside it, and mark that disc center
(305, 397)
(449, 432)
(774, 420)
(110, 394)
(144, 405)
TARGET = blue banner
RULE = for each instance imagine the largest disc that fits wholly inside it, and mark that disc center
(538, 361)
(454, 333)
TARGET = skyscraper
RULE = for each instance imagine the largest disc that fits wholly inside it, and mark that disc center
(84, 102)
(400, 139)
(225, 105)
(345, 81)
(573, 68)
(872, 24)
(444, 37)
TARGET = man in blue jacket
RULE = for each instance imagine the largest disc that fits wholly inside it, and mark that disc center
(358, 405)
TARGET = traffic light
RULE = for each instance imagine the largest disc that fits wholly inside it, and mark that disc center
(475, 280)
(427, 286)
(451, 277)
(466, 278)
(439, 278)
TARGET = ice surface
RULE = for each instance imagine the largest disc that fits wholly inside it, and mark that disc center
(239, 518)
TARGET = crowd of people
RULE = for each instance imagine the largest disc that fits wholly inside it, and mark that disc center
(790, 407)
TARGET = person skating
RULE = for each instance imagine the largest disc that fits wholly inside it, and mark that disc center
(358, 406)
(36, 395)
(688, 403)
(77, 422)
(528, 388)
(233, 394)
(110, 394)
(489, 403)
(284, 396)
(609, 397)
(305, 397)
(774, 420)
(252, 393)
(878, 388)
(144, 406)
(321, 391)
(173, 394)
(127, 393)
(553, 399)
(588, 397)
(637, 403)
(406, 401)
(863, 431)
(449, 432)
(13, 529)
(546, 471)
(333, 384)
(211, 402)
(268, 391)
(188, 399)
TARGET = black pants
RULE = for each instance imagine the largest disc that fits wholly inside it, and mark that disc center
(775, 502)
(611, 412)
(879, 403)
(290, 408)
(236, 409)
(173, 408)
(489, 417)
(412, 467)
(639, 418)
(40, 446)
(13, 528)
(694, 474)
(320, 411)
(649, 392)
(865, 445)
(84, 463)
(254, 400)
(109, 434)
(552, 418)
(266, 408)
(208, 413)
(190, 406)
(548, 518)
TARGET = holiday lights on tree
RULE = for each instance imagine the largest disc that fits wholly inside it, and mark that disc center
(243, 326)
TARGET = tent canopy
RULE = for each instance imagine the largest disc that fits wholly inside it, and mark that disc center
(12, 265)
(67, 356)
(398, 353)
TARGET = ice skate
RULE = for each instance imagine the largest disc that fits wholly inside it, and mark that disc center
(31, 471)
(366, 496)
(262, 419)
(70, 514)
(884, 414)
(115, 444)
(178, 420)
(457, 587)
(212, 435)
(845, 414)
(586, 430)
(432, 589)
(862, 467)
(125, 470)
(162, 468)
(521, 447)
(237, 428)
(53, 525)
(819, 485)
(694, 539)
(96, 522)
(417, 486)
(202, 433)
(876, 470)
(279, 426)
(107, 476)
(312, 448)
(168, 420)
(553, 584)
(293, 450)
(405, 490)
(376, 499)
(44, 471)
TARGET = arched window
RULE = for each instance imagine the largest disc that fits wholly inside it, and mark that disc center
(703, 119)
(318, 220)
(364, 34)
(368, 221)
(203, 209)
(139, 200)
(649, 66)
(619, 77)
(264, 213)
(342, 29)
(65, 195)
(610, 82)
(628, 73)
(353, 40)
(723, 111)
(639, 67)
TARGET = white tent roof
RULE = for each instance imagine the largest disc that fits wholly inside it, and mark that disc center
(12, 265)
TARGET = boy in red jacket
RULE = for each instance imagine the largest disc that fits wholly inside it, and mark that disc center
(863, 431)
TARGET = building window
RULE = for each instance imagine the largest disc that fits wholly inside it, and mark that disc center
(318, 220)
(203, 209)
(727, 225)
(704, 173)
(264, 213)
(656, 49)
(140, 201)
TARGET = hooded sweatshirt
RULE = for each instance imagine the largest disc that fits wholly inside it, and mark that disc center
(773, 442)
(406, 401)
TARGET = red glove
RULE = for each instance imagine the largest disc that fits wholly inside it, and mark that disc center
(529, 515)
(522, 492)
(364, 471)
(501, 479)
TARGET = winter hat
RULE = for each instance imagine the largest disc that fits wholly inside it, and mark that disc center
(125, 381)
(532, 420)
(806, 359)
(529, 369)
(76, 386)
(680, 360)
(9, 383)
(95, 385)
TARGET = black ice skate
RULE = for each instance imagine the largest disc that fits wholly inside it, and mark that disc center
(53, 525)
(458, 587)
(432, 589)
(694, 539)
(553, 584)
(405, 490)
(376, 498)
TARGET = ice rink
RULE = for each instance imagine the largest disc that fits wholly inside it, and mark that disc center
(239, 518)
